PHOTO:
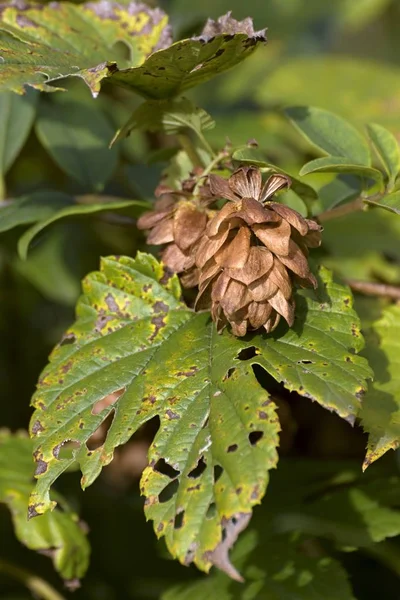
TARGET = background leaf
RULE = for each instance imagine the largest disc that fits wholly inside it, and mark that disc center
(16, 118)
(136, 206)
(391, 202)
(57, 532)
(77, 135)
(134, 338)
(337, 164)
(330, 133)
(169, 116)
(387, 149)
(31, 208)
(381, 408)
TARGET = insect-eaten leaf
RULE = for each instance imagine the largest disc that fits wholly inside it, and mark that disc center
(209, 462)
(40, 44)
(58, 534)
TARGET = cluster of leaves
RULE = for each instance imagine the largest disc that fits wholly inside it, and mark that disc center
(136, 352)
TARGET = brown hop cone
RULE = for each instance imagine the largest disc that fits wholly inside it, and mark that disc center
(252, 252)
(179, 220)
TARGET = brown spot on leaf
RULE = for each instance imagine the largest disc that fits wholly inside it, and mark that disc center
(37, 427)
(168, 273)
(160, 307)
(262, 414)
(158, 323)
(111, 303)
(192, 371)
(41, 467)
(171, 415)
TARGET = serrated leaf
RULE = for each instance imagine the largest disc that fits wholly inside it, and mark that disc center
(330, 133)
(209, 462)
(256, 157)
(16, 118)
(77, 136)
(81, 40)
(31, 208)
(391, 202)
(57, 532)
(74, 211)
(278, 567)
(169, 116)
(387, 149)
(317, 357)
(337, 164)
(380, 415)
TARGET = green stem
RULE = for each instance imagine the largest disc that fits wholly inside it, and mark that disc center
(188, 147)
(209, 168)
(39, 587)
(206, 145)
(2, 188)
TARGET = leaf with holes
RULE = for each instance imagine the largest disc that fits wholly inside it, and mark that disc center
(57, 533)
(138, 352)
(40, 44)
(317, 357)
(380, 415)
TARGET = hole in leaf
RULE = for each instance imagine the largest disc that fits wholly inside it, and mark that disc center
(218, 470)
(179, 518)
(168, 492)
(199, 468)
(65, 450)
(164, 468)
(211, 511)
(229, 373)
(68, 339)
(255, 436)
(104, 403)
(247, 353)
(98, 438)
(232, 448)
(223, 534)
(305, 362)
(206, 423)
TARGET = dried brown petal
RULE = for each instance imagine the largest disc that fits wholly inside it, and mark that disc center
(253, 212)
(291, 216)
(175, 259)
(163, 233)
(296, 261)
(272, 322)
(190, 278)
(275, 183)
(262, 288)
(234, 253)
(220, 286)
(229, 209)
(220, 188)
(189, 225)
(209, 246)
(236, 297)
(149, 219)
(259, 262)
(258, 313)
(246, 182)
(312, 239)
(280, 277)
(275, 237)
(282, 306)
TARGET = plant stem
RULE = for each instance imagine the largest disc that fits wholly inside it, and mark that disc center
(343, 209)
(188, 147)
(209, 168)
(38, 586)
(370, 288)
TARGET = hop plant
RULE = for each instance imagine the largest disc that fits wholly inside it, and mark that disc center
(252, 252)
(179, 220)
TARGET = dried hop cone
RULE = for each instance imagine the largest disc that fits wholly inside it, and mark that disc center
(252, 252)
(179, 220)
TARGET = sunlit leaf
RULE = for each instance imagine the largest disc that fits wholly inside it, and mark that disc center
(134, 338)
(387, 149)
(391, 202)
(380, 414)
(57, 533)
(75, 210)
(318, 356)
(330, 133)
(40, 44)
(338, 164)
(77, 135)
